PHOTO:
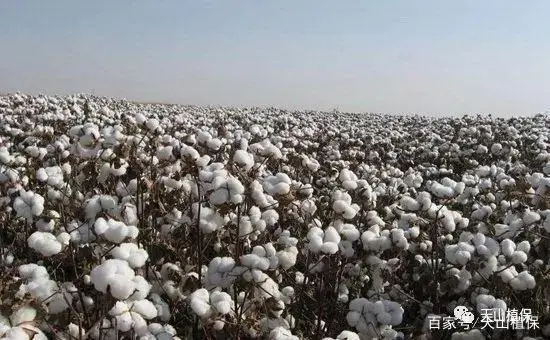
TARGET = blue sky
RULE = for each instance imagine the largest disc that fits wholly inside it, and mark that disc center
(431, 57)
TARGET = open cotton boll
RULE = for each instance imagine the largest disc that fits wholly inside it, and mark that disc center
(523, 281)
(190, 153)
(255, 261)
(131, 253)
(210, 220)
(266, 149)
(165, 153)
(52, 175)
(408, 203)
(203, 136)
(45, 224)
(243, 159)
(28, 204)
(226, 190)
(45, 243)
(152, 124)
(442, 191)
(348, 179)
(373, 240)
(530, 217)
(116, 275)
(288, 257)
(115, 231)
(99, 203)
(199, 301)
(278, 184)
(507, 247)
(214, 144)
(486, 302)
(221, 302)
(348, 231)
(323, 241)
(22, 315)
(219, 271)
(128, 316)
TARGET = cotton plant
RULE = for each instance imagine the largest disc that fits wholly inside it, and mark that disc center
(315, 196)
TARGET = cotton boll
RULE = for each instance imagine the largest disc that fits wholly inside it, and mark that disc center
(219, 271)
(64, 238)
(115, 274)
(255, 261)
(130, 252)
(523, 281)
(409, 203)
(508, 247)
(530, 217)
(243, 159)
(288, 257)
(441, 191)
(519, 257)
(22, 315)
(277, 185)
(51, 175)
(221, 302)
(28, 204)
(145, 308)
(524, 246)
(114, 231)
(200, 303)
(45, 243)
(152, 124)
(270, 217)
(210, 220)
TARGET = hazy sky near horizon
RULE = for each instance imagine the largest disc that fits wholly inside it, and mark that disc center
(431, 57)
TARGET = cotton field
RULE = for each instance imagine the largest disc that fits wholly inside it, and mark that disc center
(122, 220)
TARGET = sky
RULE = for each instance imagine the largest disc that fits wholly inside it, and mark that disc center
(403, 56)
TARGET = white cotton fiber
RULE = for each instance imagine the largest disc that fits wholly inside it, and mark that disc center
(130, 252)
(200, 302)
(114, 231)
(114, 274)
(45, 243)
